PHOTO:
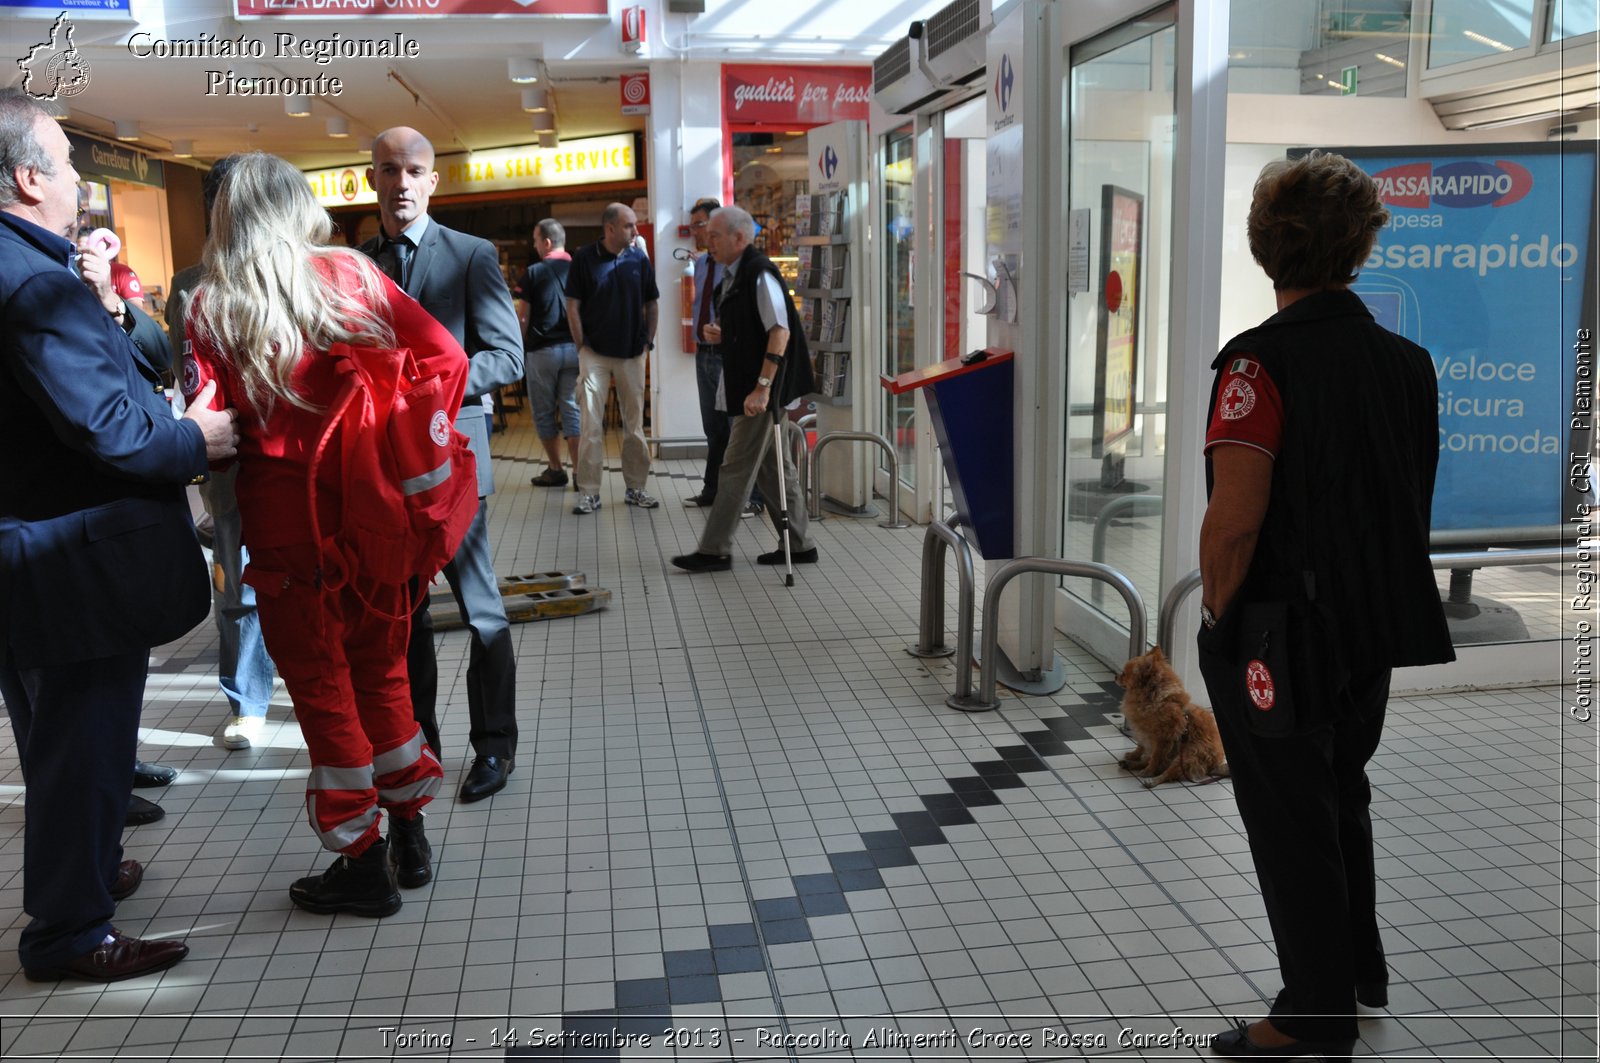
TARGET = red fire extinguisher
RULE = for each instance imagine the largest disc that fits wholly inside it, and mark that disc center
(686, 297)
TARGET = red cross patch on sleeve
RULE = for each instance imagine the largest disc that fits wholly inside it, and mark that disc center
(1249, 410)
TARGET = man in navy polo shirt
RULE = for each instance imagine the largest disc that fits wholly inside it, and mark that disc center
(612, 311)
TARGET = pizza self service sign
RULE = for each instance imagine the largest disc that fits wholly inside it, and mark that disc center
(1487, 262)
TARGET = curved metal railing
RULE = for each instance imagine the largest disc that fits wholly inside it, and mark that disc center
(814, 474)
(1167, 619)
(985, 699)
(936, 541)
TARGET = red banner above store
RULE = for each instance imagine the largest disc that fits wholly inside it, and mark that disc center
(794, 96)
(418, 8)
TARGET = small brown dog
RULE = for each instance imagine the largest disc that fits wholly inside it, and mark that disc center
(1177, 739)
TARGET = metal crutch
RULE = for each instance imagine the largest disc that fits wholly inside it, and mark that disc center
(783, 493)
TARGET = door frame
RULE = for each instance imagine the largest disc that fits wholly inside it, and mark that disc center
(1200, 112)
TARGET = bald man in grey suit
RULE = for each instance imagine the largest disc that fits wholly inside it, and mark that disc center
(457, 279)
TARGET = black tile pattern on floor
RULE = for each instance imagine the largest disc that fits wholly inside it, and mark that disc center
(691, 974)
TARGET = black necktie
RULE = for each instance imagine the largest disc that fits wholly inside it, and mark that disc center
(394, 255)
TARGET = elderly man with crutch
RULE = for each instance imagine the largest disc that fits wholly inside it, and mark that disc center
(765, 366)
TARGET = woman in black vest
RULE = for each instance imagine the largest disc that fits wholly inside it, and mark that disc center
(1321, 447)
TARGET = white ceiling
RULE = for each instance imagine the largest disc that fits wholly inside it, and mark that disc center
(457, 92)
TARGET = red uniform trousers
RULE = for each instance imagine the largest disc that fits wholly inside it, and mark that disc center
(345, 666)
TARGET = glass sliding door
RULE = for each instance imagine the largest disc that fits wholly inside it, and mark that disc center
(1120, 158)
(897, 226)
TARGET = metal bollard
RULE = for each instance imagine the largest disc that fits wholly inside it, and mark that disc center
(985, 701)
(1167, 617)
(814, 475)
(930, 635)
(799, 451)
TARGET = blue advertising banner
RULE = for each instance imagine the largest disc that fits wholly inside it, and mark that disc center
(1485, 262)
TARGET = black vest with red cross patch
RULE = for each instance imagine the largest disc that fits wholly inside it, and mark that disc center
(1352, 484)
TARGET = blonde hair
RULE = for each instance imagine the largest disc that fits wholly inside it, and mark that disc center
(263, 300)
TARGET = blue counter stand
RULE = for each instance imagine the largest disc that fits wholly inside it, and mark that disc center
(971, 409)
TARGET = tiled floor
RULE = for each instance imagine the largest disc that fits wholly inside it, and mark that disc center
(743, 814)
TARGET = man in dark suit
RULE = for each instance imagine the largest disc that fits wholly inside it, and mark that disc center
(457, 279)
(98, 556)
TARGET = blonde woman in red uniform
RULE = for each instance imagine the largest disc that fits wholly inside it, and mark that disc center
(273, 298)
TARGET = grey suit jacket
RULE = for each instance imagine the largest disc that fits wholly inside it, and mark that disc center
(457, 279)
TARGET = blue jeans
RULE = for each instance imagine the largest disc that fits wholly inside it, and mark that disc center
(244, 667)
(552, 390)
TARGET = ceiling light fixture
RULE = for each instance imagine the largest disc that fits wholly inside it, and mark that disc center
(127, 130)
(297, 106)
(523, 71)
(56, 109)
(183, 149)
(1490, 41)
(549, 140)
(338, 126)
(1391, 60)
(544, 123)
(535, 101)
(364, 145)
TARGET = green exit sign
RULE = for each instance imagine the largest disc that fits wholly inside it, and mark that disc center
(1347, 80)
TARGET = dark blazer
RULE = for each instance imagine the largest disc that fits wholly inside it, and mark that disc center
(457, 279)
(98, 554)
(744, 339)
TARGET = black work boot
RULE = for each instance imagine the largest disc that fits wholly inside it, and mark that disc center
(363, 886)
(409, 852)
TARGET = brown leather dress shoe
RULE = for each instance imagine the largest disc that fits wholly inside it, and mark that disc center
(129, 875)
(118, 958)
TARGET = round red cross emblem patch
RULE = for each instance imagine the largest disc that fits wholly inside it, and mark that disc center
(1258, 682)
(439, 428)
(1238, 398)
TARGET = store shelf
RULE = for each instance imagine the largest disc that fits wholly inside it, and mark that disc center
(821, 241)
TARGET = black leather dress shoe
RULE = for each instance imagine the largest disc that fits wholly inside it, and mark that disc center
(141, 811)
(409, 852)
(129, 875)
(799, 557)
(361, 886)
(486, 776)
(1236, 1044)
(147, 775)
(118, 958)
(698, 562)
(701, 500)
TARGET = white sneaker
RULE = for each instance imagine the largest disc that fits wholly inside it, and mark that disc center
(243, 732)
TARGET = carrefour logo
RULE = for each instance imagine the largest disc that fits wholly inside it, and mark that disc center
(1458, 184)
(828, 162)
(1003, 80)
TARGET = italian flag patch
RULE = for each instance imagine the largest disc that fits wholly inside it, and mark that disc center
(1243, 367)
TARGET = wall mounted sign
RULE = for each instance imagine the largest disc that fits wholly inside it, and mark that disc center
(635, 93)
(96, 158)
(765, 94)
(596, 160)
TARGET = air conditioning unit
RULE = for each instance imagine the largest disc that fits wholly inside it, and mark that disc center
(899, 84)
(953, 42)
